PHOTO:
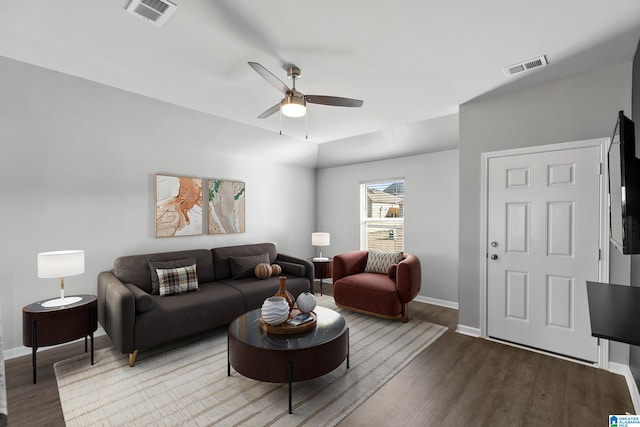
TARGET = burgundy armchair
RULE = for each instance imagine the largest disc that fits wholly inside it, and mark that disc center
(383, 295)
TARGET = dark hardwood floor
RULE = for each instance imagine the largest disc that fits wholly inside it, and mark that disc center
(457, 381)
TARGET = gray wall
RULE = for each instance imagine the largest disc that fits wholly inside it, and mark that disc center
(431, 213)
(634, 351)
(77, 165)
(577, 108)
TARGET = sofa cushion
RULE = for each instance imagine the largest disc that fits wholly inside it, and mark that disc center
(254, 293)
(154, 265)
(292, 268)
(379, 262)
(179, 316)
(177, 280)
(243, 266)
(135, 268)
(221, 256)
(371, 292)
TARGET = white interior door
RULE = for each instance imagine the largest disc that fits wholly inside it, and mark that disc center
(543, 241)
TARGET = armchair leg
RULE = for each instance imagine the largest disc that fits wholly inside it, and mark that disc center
(132, 358)
(405, 313)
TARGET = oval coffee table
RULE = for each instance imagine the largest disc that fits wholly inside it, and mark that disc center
(276, 358)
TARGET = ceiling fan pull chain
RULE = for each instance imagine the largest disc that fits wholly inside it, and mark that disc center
(306, 125)
(280, 112)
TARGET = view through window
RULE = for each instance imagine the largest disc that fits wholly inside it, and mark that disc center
(382, 215)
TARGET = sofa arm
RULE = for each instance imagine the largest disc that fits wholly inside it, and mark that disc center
(116, 311)
(349, 263)
(143, 301)
(309, 272)
(408, 278)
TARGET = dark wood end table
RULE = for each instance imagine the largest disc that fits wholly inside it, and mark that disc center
(275, 358)
(323, 269)
(44, 326)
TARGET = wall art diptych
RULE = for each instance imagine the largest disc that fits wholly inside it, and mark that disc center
(178, 206)
(226, 206)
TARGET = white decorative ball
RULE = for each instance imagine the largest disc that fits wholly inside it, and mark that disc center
(306, 302)
(275, 310)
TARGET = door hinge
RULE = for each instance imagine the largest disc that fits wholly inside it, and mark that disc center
(600, 168)
(599, 254)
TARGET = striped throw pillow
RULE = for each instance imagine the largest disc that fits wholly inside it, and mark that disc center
(379, 262)
(177, 280)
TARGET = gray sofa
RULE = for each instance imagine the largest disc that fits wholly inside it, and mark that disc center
(135, 319)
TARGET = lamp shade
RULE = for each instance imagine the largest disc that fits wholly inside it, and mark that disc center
(60, 263)
(320, 239)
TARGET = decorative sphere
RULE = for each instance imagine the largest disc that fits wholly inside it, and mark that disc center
(276, 270)
(262, 271)
(306, 302)
(275, 310)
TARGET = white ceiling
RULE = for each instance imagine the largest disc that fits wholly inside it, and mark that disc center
(409, 61)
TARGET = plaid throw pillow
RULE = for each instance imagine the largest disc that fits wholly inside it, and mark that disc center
(177, 280)
(379, 262)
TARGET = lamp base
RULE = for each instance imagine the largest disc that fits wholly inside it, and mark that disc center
(321, 258)
(58, 302)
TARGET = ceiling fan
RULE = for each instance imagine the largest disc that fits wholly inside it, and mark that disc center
(294, 103)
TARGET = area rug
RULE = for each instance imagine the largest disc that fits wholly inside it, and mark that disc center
(188, 385)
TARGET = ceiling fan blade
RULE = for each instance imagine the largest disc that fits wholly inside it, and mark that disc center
(268, 76)
(270, 111)
(333, 100)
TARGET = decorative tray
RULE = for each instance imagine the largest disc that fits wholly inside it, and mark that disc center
(287, 328)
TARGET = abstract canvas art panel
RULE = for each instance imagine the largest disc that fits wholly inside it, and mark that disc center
(226, 206)
(178, 206)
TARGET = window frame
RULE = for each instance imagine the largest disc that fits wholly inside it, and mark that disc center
(365, 220)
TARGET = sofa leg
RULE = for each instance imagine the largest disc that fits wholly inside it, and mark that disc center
(132, 358)
(405, 313)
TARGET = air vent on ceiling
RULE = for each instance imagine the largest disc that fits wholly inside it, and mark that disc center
(155, 11)
(530, 64)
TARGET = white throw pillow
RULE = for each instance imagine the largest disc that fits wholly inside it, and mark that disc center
(379, 262)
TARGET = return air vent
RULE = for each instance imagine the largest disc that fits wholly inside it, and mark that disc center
(530, 64)
(155, 11)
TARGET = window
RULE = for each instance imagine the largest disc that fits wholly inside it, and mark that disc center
(382, 215)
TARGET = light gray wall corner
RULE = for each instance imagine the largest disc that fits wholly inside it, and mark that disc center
(576, 108)
(431, 213)
(77, 162)
(427, 136)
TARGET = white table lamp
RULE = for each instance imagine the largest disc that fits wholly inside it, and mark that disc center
(60, 264)
(320, 239)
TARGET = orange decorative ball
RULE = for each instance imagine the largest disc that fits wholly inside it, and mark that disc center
(276, 270)
(262, 271)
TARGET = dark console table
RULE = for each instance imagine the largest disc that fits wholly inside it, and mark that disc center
(614, 311)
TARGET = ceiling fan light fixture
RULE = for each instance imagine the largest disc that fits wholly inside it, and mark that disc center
(293, 106)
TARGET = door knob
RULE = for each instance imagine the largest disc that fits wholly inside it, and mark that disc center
(494, 256)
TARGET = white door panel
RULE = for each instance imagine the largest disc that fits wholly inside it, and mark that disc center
(544, 217)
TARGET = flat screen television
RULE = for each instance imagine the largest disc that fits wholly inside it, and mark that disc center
(624, 188)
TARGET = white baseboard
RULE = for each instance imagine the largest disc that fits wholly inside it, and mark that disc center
(468, 330)
(12, 353)
(435, 301)
(625, 371)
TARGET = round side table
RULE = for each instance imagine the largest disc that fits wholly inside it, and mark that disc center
(323, 269)
(43, 326)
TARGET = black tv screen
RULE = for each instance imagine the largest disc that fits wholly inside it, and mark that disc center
(624, 188)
